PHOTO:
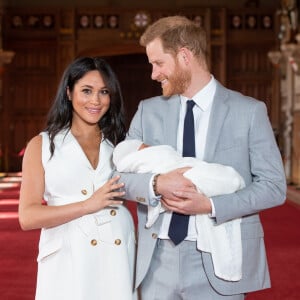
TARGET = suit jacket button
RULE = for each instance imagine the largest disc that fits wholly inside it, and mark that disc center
(118, 242)
(140, 199)
(113, 212)
(154, 235)
(93, 242)
(83, 192)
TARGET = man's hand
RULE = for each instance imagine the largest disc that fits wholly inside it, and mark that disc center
(188, 203)
(179, 194)
(174, 180)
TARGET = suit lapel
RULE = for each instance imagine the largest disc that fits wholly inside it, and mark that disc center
(171, 120)
(217, 118)
(218, 113)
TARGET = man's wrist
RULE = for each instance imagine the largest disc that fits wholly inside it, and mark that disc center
(213, 211)
(154, 185)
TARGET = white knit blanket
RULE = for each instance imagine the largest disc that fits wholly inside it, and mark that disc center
(222, 241)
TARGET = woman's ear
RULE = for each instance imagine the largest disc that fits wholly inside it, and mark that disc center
(69, 94)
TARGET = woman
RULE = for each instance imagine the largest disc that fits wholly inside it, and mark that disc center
(87, 243)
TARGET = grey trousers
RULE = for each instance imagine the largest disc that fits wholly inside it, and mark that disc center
(176, 273)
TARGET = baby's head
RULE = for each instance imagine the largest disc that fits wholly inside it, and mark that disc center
(126, 147)
(143, 146)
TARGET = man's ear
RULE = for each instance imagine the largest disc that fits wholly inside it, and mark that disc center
(184, 53)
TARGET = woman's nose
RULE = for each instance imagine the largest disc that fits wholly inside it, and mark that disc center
(96, 98)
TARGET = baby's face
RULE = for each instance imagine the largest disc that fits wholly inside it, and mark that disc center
(143, 146)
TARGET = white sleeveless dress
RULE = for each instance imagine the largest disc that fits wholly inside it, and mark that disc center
(92, 257)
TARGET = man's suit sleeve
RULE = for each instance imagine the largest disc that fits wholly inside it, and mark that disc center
(266, 183)
(137, 185)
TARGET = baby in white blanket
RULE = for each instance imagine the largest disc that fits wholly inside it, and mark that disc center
(222, 241)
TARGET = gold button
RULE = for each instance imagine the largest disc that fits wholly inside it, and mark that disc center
(93, 242)
(113, 212)
(83, 192)
(154, 235)
(118, 242)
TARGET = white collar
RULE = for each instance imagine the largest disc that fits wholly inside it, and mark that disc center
(205, 96)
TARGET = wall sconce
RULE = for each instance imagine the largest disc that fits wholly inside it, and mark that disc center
(275, 57)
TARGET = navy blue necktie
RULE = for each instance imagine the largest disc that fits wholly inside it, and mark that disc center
(179, 223)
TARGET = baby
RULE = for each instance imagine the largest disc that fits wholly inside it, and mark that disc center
(211, 179)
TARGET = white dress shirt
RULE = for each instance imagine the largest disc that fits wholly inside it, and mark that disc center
(202, 110)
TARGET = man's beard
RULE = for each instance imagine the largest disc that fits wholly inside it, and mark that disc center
(178, 82)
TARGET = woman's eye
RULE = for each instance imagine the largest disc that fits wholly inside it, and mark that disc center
(104, 92)
(86, 91)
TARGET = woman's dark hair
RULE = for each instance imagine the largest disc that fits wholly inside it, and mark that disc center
(112, 124)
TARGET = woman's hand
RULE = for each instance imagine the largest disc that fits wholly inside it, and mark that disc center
(105, 196)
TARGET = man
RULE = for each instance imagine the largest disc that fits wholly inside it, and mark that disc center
(227, 128)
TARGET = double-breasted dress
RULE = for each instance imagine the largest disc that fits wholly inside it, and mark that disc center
(91, 257)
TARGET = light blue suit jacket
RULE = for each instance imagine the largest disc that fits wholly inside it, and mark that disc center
(239, 135)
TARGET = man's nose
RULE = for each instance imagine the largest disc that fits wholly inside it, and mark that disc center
(154, 74)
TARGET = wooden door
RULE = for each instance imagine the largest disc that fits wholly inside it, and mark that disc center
(28, 93)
